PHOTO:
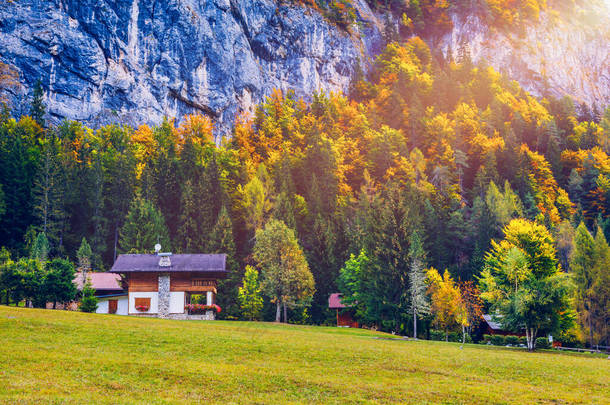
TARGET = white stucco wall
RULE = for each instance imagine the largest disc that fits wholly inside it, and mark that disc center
(176, 302)
(208, 298)
(122, 305)
(102, 306)
(154, 302)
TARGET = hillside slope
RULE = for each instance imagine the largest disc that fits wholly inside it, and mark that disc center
(58, 356)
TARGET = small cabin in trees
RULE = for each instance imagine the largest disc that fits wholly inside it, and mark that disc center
(111, 297)
(492, 327)
(344, 313)
(180, 286)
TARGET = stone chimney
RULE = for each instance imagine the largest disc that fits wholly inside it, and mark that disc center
(164, 285)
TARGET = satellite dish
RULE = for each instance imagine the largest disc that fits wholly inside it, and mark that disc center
(157, 248)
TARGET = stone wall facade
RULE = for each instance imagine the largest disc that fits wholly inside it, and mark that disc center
(164, 294)
(208, 316)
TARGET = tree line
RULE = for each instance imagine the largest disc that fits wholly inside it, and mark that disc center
(447, 150)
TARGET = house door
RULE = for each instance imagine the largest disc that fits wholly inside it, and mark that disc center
(112, 306)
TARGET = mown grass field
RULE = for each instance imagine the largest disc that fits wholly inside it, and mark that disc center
(67, 357)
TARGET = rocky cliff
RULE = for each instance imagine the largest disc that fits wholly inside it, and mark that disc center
(562, 55)
(135, 61)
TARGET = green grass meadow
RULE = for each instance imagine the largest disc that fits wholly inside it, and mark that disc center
(68, 357)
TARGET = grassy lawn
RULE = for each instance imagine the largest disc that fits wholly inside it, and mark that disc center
(67, 357)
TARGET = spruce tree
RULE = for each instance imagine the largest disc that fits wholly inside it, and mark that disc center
(221, 241)
(40, 248)
(212, 196)
(49, 191)
(37, 108)
(84, 259)
(417, 281)
(144, 227)
(190, 232)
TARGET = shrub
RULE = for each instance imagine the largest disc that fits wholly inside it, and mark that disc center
(523, 340)
(497, 340)
(89, 301)
(542, 343)
(486, 339)
(512, 340)
(437, 335)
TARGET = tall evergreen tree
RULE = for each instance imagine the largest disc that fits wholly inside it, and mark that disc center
(221, 241)
(40, 248)
(37, 107)
(417, 281)
(144, 227)
(49, 190)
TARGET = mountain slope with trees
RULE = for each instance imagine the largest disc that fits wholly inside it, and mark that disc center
(451, 151)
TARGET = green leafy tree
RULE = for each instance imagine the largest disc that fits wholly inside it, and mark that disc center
(144, 227)
(286, 276)
(249, 295)
(523, 283)
(352, 284)
(58, 283)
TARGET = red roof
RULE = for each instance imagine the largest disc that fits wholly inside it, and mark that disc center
(100, 281)
(334, 301)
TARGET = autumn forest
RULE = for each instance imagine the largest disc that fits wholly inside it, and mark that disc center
(449, 151)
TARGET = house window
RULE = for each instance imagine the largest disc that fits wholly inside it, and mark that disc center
(142, 304)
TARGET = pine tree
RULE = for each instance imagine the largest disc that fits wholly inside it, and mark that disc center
(417, 281)
(37, 108)
(212, 196)
(40, 248)
(250, 299)
(84, 259)
(48, 192)
(190, 233)
(221, 241)
(600, 288)
(144, 227)
(582, 265)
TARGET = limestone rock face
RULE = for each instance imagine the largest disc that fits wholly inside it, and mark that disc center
(566, 55)
(135, 61)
